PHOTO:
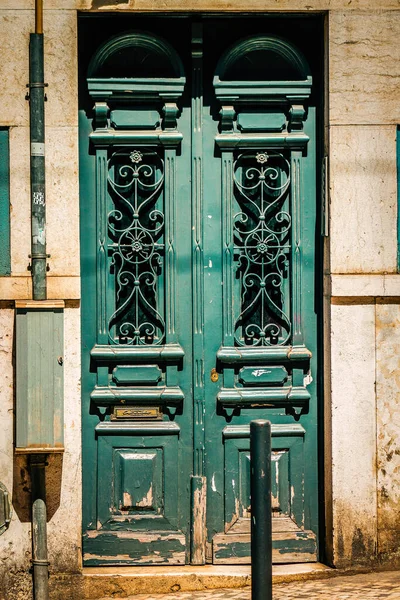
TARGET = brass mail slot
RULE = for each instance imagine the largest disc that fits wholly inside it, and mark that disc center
(136, 413)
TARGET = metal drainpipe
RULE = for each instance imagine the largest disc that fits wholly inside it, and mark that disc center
(38, 268)
(37, 139)
(39, 528)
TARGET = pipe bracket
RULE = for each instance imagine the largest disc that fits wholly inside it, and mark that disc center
(5, 509)
(38, 84)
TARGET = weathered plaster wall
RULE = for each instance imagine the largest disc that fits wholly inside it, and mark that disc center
(61, 149)
(64, 481)
(364, 95)
(354, 431)
(364, 199)
(388, 426)
(364, 99)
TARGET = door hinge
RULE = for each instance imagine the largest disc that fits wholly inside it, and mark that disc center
(325, 197)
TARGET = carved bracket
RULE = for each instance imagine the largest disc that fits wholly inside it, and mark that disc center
(101, 112)
(171, 112)
(297, 116)
(227, 117)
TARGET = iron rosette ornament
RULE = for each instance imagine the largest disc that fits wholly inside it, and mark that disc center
(136, 246)
(262, 248)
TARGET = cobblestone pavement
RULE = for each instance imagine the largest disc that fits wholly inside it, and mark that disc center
(354, 587)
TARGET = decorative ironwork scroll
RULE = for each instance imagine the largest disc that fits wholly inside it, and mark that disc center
(136, 246)
(262, 241)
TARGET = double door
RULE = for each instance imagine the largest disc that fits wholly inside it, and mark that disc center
(198, 202)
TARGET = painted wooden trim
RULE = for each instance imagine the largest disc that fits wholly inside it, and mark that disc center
(41, 450)
(234, 355)
(166, 353)
(139, 428)
(151, 43)
(170, 241)
(263, 397)
(167, 395)
(101, 250)
(287, 52)
(39, 304)
(230, 141)
(198, 546)
(227, 249)
(297, 194)
(243, 431)
(168, 139)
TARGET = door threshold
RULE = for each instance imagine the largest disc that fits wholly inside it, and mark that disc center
(94, 583)
(281, 573)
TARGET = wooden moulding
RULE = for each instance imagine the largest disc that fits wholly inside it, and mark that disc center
(41, 450)
(39, 304)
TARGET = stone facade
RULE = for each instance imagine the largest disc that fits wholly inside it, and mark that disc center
(363, 432)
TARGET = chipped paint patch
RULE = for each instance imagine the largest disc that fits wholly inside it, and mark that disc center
(199, 531)
(147, 500)
(287, 547)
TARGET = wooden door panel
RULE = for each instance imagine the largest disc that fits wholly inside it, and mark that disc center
(287, 473)
(290, 539)
(137, 410)
(287, 547)
(137, 496)
(264, 157)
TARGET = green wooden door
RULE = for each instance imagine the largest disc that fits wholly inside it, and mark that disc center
(198, 303)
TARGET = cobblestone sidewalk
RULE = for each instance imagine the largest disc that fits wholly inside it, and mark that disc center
(372, 586)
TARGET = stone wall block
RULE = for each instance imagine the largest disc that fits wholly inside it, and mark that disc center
(15, 26)
(62, 200)
(363, 199)
(364, 67)
(20, 202)
(353, 434)
(61, 67)
(388, 426)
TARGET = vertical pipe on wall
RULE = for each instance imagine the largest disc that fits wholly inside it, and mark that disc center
(39, 524)
(38, 267)
(37, 139)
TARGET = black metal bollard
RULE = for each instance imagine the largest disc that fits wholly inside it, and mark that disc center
(261, 517)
